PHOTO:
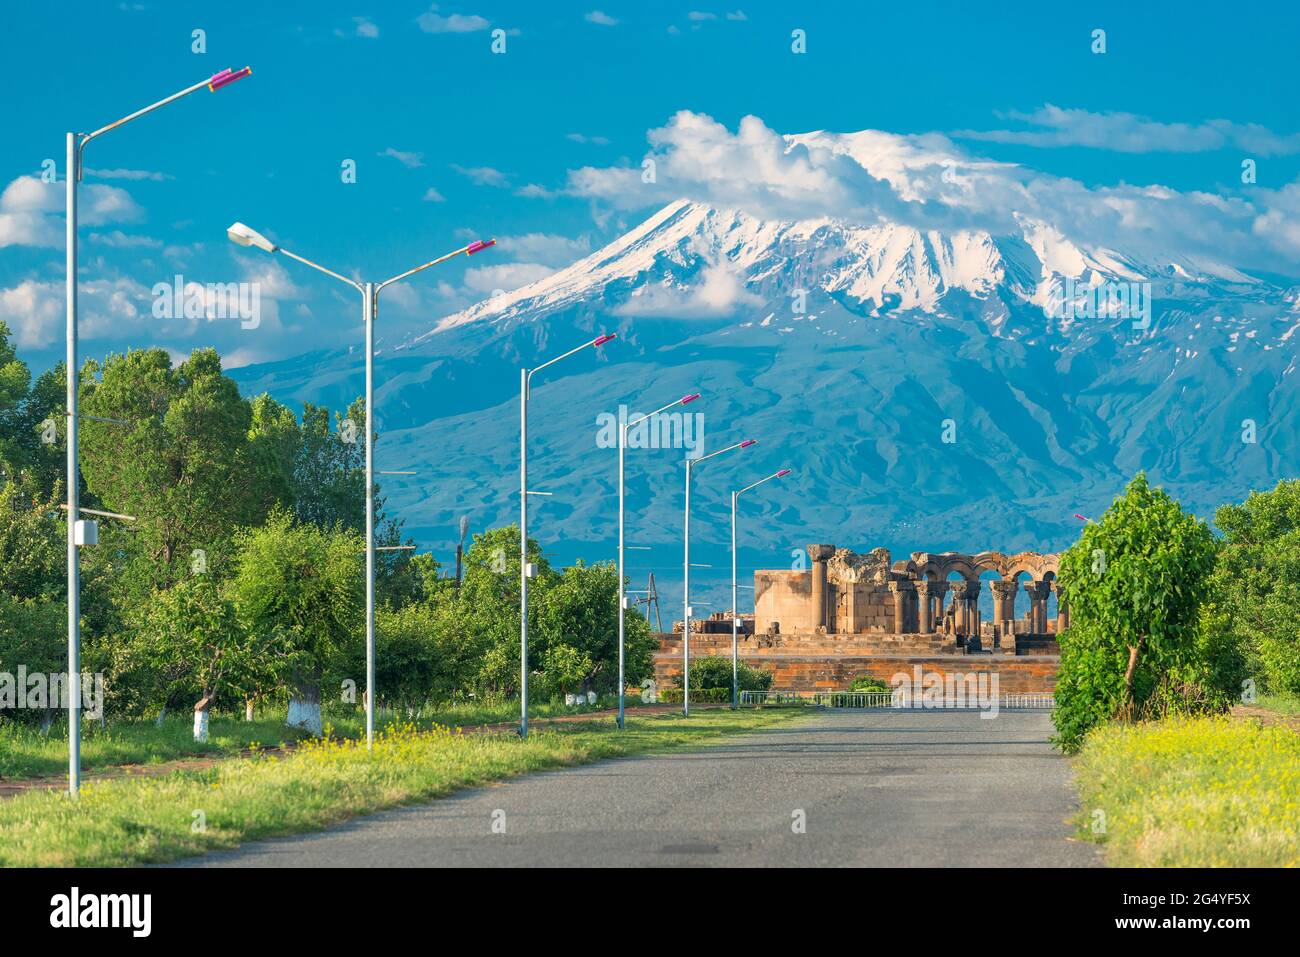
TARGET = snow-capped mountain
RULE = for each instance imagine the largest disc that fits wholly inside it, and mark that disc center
(930, 389)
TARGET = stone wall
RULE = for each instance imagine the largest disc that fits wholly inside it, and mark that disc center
(845, 592)
(836, 672)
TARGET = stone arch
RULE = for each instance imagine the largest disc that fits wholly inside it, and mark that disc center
(962, 565)
(990, 561)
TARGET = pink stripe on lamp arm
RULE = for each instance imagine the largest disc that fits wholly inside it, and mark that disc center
(601, 340)
(227, 77)
(689, 398)
(748, 442)
(782, 473)
(478, 245)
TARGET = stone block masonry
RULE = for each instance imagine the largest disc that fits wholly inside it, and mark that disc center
(854, 614)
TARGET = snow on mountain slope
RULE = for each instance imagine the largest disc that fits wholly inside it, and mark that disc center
(901, 329)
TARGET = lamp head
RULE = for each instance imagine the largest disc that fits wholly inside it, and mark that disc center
(601, 340)
(478, 245)
(227, 77)
(689, 398)
(782, 473)
(748, 442)
(243, 235)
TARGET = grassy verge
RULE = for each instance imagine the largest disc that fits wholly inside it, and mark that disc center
(140, 820)
(1205, 792)
(26, 753)
(1282, 704)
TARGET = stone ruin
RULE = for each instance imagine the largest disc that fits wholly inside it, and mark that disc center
(847, 593)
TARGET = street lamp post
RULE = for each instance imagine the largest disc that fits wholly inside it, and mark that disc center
(686, 573)
(525, 569)
(244, 236)
(735, 614)
(76, 144)
(622, 595)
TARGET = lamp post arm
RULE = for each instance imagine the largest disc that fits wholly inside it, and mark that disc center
(464, 250)
(631, 422)
(738, 445)
(761, 481)
(319, 268)
(601, 340)
(214, 83)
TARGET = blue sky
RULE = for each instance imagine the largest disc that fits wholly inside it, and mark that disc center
(453, 141)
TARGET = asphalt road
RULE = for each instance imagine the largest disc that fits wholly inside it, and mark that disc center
(886, 788)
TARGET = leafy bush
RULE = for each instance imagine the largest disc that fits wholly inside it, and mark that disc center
(1134, 583)
(698, 695)
(1257, 582)
(868, 683)
(715, 672)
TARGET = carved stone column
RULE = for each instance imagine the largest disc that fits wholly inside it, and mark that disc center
(1062, 609)
(961, 592)
(925, 595)
(901, 590)
(937, 591)
(819, 555)
(1004, 611)
(1037, 592)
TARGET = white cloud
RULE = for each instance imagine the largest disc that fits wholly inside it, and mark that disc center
(701, 15)
(584, 138)
(737, 15)
(484, 280)
(431, 195)
(120, 240)
(127, 174)
(755, 168)
(547, 248)
(433, 22)
(719, 293)
(928, 182)
(1130, 133)
(535, 191)
(31, 210)
(106, 308)
(33, 311)
(366, 28)
(483, 175)
(600, 18)
(409, 159)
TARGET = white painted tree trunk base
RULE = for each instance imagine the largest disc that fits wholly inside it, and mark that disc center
(304, 714)
(201, 726)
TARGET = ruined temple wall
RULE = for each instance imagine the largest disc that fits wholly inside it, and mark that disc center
(862, 607)
(783, 598)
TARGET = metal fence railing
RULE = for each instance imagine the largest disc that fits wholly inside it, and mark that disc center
(1017, 701)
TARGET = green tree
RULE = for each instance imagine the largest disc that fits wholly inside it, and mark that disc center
(187, 647)
(1134, 582)
(301, 589)
(15, 378)
(178, 466)
(1257, 581)
(272, 452)
(579, 612)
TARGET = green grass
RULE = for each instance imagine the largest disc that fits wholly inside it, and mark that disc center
(1203, 792)
(1282, 704)
(26, 753)
(137, 820)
